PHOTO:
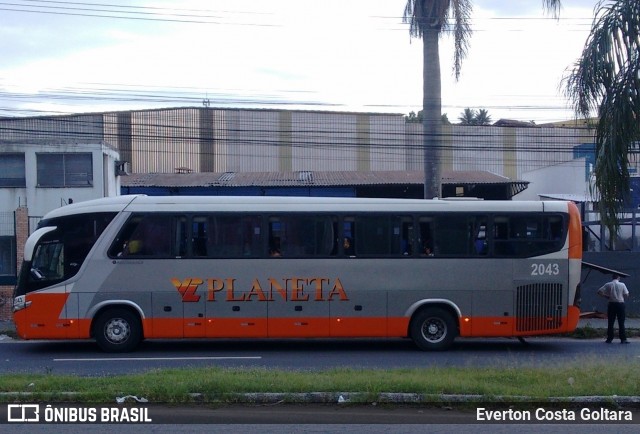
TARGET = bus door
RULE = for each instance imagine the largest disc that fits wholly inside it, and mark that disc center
(194, 312)
(41, 304)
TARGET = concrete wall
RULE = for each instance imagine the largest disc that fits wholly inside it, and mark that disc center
(41, 200)
(564, 178)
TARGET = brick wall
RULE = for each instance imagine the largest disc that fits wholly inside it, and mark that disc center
(22, 233)
(5, 303)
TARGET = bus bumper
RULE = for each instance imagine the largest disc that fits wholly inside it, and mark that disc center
(573, 316)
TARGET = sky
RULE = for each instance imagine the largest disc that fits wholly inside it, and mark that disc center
(59, 57)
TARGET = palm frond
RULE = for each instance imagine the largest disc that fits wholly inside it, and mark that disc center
(461, 17)
(606, 80)
(553, 6)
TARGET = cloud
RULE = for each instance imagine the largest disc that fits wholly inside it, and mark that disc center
(353, 55)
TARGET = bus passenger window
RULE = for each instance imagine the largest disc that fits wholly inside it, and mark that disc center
(528, 235)
(274, 247)
(481, 247)
(301, 236)
(152, 235)
(277, 237)
(228, 235)
(408, 237)
(425, 236)
(348, 240)
(199, 228)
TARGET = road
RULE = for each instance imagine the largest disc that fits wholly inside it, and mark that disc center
(83, 358)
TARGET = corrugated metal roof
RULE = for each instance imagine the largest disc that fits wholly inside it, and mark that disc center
(306, 178)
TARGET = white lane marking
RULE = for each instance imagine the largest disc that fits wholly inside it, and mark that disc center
(138, 359)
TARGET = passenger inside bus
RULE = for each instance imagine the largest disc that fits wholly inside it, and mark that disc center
(274, 247)
(347, 245)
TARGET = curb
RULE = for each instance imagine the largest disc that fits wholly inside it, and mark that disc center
(337, 398)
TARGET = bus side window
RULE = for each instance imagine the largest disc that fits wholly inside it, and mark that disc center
(335, 239)
(179, 231)
(408, 237)
(425, 236)
(348, 240)
(199, 229)
(232, 236)
(453, 237)
(481, 247)
(155, 235)
(501, 243)
(302, 236)
(121, 245)
(276, 234)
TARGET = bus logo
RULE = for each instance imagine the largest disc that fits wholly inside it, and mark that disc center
(187, 289)
(289, 289)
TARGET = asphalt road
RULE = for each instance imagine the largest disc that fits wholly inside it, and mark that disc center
(83, 358)
(279, 419)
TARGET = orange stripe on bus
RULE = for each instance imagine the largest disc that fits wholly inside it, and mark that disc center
(575, 232)
(48, 325)
(506, 326)
(42, 318)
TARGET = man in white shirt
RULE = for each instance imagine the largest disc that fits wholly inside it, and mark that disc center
(616, 292)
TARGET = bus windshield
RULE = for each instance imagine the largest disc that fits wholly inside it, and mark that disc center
(59, 253)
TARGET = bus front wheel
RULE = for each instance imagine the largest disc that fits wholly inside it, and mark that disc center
(433, 328)
(117, 330)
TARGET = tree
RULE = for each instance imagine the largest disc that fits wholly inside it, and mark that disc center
(467, 117)
(606, 80)
(416, 118)
(427, 19)
(483, 117)
(473, 117)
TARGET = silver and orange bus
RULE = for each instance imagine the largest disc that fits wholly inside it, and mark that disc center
(128, 268)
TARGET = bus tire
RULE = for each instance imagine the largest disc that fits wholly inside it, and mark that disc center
(117, 330)
(433, 329)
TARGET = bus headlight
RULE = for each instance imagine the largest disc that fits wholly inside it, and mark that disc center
(19, 303)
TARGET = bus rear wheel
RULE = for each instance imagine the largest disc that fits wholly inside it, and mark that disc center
(117, 330)
(433, 329)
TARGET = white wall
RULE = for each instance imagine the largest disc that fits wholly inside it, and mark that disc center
(41, 200)
(566, 178)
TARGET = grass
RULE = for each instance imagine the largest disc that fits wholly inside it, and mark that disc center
(579, 378)
(584, 378)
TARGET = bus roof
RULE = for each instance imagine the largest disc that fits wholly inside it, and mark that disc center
(142, 203)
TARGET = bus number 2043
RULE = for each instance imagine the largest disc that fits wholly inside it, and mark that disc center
(545, 269)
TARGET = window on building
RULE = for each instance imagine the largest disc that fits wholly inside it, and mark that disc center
(12, 172)
(7, 257)
(64, 169)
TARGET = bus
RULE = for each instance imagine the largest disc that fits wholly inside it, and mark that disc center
(123, 269)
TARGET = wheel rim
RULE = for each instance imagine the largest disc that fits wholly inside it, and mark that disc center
(117, 330)
(434, 330)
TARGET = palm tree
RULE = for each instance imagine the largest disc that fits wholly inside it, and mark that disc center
(467, 117)
(482, 117)
(427, 19)
(606, 80)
